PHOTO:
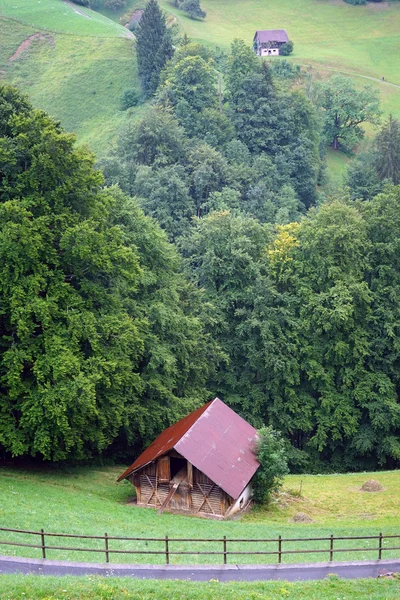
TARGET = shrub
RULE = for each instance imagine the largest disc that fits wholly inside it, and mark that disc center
(273, 467)
(114, 4)
(193, 9)
(129, 98)
(356, 2)
(284, 69)
(286, 49)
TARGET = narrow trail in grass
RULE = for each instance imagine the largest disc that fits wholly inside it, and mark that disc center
(354, 74)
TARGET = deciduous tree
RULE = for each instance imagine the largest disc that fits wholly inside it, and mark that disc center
(346, 109)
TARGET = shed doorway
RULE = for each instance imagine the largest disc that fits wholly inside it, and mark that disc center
(177, 465)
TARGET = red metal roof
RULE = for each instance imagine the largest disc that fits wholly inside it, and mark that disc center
(215, 440)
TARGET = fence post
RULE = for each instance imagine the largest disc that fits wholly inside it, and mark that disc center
(43, 543)
(380, 546)
(331, 549)
(166, 550)
(106, 544)
(280, 549)
(224, 549)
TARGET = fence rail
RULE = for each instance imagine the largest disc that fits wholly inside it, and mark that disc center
(224, 552)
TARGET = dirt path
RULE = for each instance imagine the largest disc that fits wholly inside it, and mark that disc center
(352, 73)
(27, 43)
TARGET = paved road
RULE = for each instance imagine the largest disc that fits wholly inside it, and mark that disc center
(298, 572)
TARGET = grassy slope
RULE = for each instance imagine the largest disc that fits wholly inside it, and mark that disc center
(58, 16)
(328, 34)
(87, 500)
(96, 588)
(77, 74)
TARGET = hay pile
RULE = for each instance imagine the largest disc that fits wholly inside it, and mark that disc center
(301, 517)
(372, 485)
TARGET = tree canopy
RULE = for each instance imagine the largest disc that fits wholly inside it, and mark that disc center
(98, 330)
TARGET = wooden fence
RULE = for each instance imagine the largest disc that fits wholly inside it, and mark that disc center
(167, 543)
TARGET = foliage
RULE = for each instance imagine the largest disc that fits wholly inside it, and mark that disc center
(115, 4)
(379, 165)
(356, 2)
(129, 99)
(273, 467)
(98, 329)
(346, 108)
(388, 151)
(193, 9)
(286, 48)
(153, 47)
(285, 69)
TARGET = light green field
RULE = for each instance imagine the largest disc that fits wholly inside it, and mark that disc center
(61, 17)
(89, 501)
(78, 78)
(32, 587)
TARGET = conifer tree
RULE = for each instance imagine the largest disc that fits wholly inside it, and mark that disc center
(388, 155)
(154, 46)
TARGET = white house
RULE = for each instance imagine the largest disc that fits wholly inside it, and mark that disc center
(268, 42)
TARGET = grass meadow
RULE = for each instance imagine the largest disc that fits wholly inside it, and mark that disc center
(79, 77)
(32, 587)
(89, 501)
(61, 17)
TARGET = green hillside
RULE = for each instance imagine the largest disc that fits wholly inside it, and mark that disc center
(76, 63)
(61, 16)
(330, 35)
(75, 67)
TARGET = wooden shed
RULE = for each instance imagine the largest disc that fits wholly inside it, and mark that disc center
(202, 465)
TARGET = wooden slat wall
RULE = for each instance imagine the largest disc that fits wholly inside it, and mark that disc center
(152, 492)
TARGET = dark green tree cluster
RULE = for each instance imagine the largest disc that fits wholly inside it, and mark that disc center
(101, 338)
(285, 306)
(254, 151)
(192, 8)
(308, 317)
(379, 165)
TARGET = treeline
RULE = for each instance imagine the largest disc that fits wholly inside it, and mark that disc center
(260, 289)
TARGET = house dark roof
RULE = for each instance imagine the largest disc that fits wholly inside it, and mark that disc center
(215, 440)
(271, 35)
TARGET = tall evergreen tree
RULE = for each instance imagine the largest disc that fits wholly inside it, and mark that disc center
(388, 147)
(153, 48)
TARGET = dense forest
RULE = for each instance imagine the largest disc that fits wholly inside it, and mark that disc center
(203, 257)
